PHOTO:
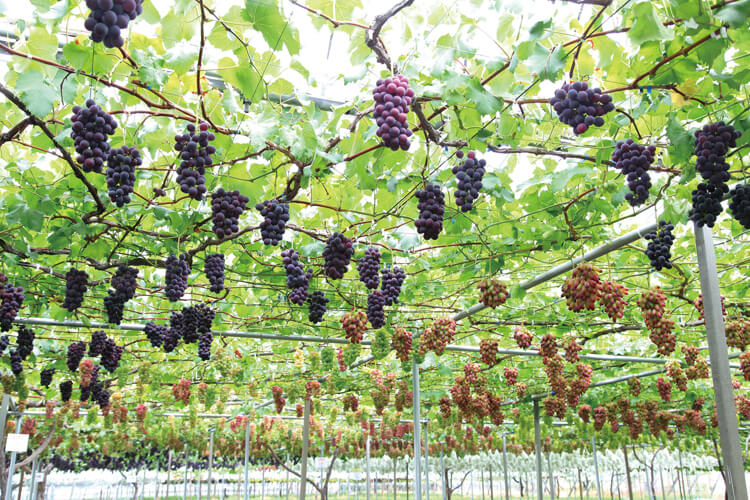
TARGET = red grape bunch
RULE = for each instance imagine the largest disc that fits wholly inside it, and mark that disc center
(369, 268)
(677, 375)
(698, 303)
(523, 338)
(392, 99)
(297, 280)
(584, 412)
(554, 406)
(178, 270)
(431, 208)
(665, 388)
(738, 333)
(317, 303)
(195, 156)
(91, 128)
(493, 293)
(401, 343)
(658, 249)
(337, 255)
(572, 348)
(437, 336)
(214, 269)
(392, 279)
(511, 376)
(745, 365)
(181, 390)
(488, 351)
(548, 346)
(121, 164)
(109, 19)
(375, 312)
(278, 399)
(445, 407)
(226, 208)
(275, 216)
(355, 324)
(739, 204)
(600, 417)
(634, 160)
(581, 107)
(652, 304)
(75, 286)
(691, 353)
(469, 179)
(583, 289)
(612, 299)
(634, 386)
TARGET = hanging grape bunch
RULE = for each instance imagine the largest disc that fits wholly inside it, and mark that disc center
(97, 342)
(177, 273)
(155, 333)
(75, 354)
(677, 375)
(660, 243)
(664, 387)
(469, 179)
(652, 304)
(195, 156)
(572, 348)
(523, 338)
(4, 343)
(355, 324)
(317, 304)
(275, 216)
(214, 269)
(431, 210)
(45, 376)
(511, 376)
(375, 312)
(297, 280)
(698, 304)
(583, 289)
(66, 390)
(634, 160)
(745, 365)
(488, 351)
(492, 293)
(369, 268)
(392, 280)
(392, 99)
(226, 208)
(401, 343)
(11, 300)
(381, 345)
(612, 299)
(121, 164)
(437, 336)
(739, 204)
(204, 345)
(90, 131)
(108, 19)
(581, 107)
(111, 355)
(124, 284)
(600, 417)
(75, 286)
(337, 255)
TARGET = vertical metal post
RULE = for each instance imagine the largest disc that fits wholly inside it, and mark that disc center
(286, 489)
(663, 491)
(395, 480)
(367, 466)
(551, 478)
(426, 464)
(538, 450)
(184, 479)
(442, 474)
(627, 472)
(717, 348)
(263, 483)
(12, 466)
(305, 446)
(596, 468)
(505, 469)
(417, 433)
(210, 462)
(32, 489)
(680, 475)
(169, 472)
(247, 457)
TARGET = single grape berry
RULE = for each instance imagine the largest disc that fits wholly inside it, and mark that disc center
(11, 300)
(739, 204)
(75, 286)
(275, 216)
(76, 351)
(375, 313)
(337, 255)
(109, 19)
(392, 99)
(634, 160)
(369, 268)
(469, 180)
(214, 269)
(90, 131)
(195, 156)
(177, 273)
(581, 107)
(317, 306)
(659, 246)
(431, 208)
(121, 164)
(392, 280)
(226, 208)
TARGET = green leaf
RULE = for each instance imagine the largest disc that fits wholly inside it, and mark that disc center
(42, 44)
(274, 27)
(736, 14)
(36, 93)
(240, 75)
(647, 26)
(485, 102)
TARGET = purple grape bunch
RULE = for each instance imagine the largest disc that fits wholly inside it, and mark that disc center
(226, 208)
(431, 208)
(580, 106)
(297, 279)
(375, 312)
(392, 278)
(275, 216)
(178, 270)
(214, 269)
(317, 304)
(369, 268)
(195, 156)
(337, 255)
(469, 179)
(634, 160)
(108, 20)
(11, 301)
(392, 99)
(121, 165)
(90, 131)
(75, 286)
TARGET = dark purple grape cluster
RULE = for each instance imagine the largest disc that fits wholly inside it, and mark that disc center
(739, 204)
(185, 324)
(195, 156)
(375, 312)
(108, 19)
(712, 144)
(469, 179)
(659, 246)
(581, 107)
(125, 282)
(11, 300)
(172, 337)
(204, 318)
(317, 304)
(121, 165)
(4, 343)
(392, 99)
(226, 208)
(75, 287)
(275, 216)
(707, 200)
(91, 128)
(204, 346)
(16, 362)
(634, 160)
(155, 333)
(101, 396)
(115, 306)
(76, 351)
(25, 342)
(45, 376)
(214, 269)
(178, 270)
(337, 255)
(393, 278)
(66, 390)
(431, 210)
(111, 355)
(297, 279)
(97, 343)
(369, 268)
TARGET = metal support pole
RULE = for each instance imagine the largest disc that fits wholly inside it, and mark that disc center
(210, 462)
(367, 466)
(305, 446)
(426, 464)
(247, 458)
(538, 450)
(442, 474)
(184, 479)
(286, 489)
(722, 379)
(505, 469)
(169, 472)
(417, 433)
(263, 483)
(551, 478)
(32, 490)
(12, 466)
(627, 472)
(596, 468)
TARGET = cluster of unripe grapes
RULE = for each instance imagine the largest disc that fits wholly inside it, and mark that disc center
(634, 160)
(659, 247)
(392, 279)
(178, 270)
(90, 131)
(297, 279)
(275, 216)
(195, 155)
(431, 208)
(108, 19)
(317, 304)
(664, 387)
(121, 164)
(488, 351)
(226, 208)
(698, 304)
(392, 99)
(278, 399)
(581, 107)
(493, 293)
(369, 268)
(469, 179)
(437, 336)
(337, 254)
(745, 365)
(613, 299)
(181, 390)
(739, 204)
(75, 286)
(523, 338)
(677, 375)
(652, 305)
(375, 311)
(214, 269)
(511, 376)
(355, 325)
(583, 289)
(738, 333)
(600, 417)
(401, 343)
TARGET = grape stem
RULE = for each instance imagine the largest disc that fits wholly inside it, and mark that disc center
(372, 37)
